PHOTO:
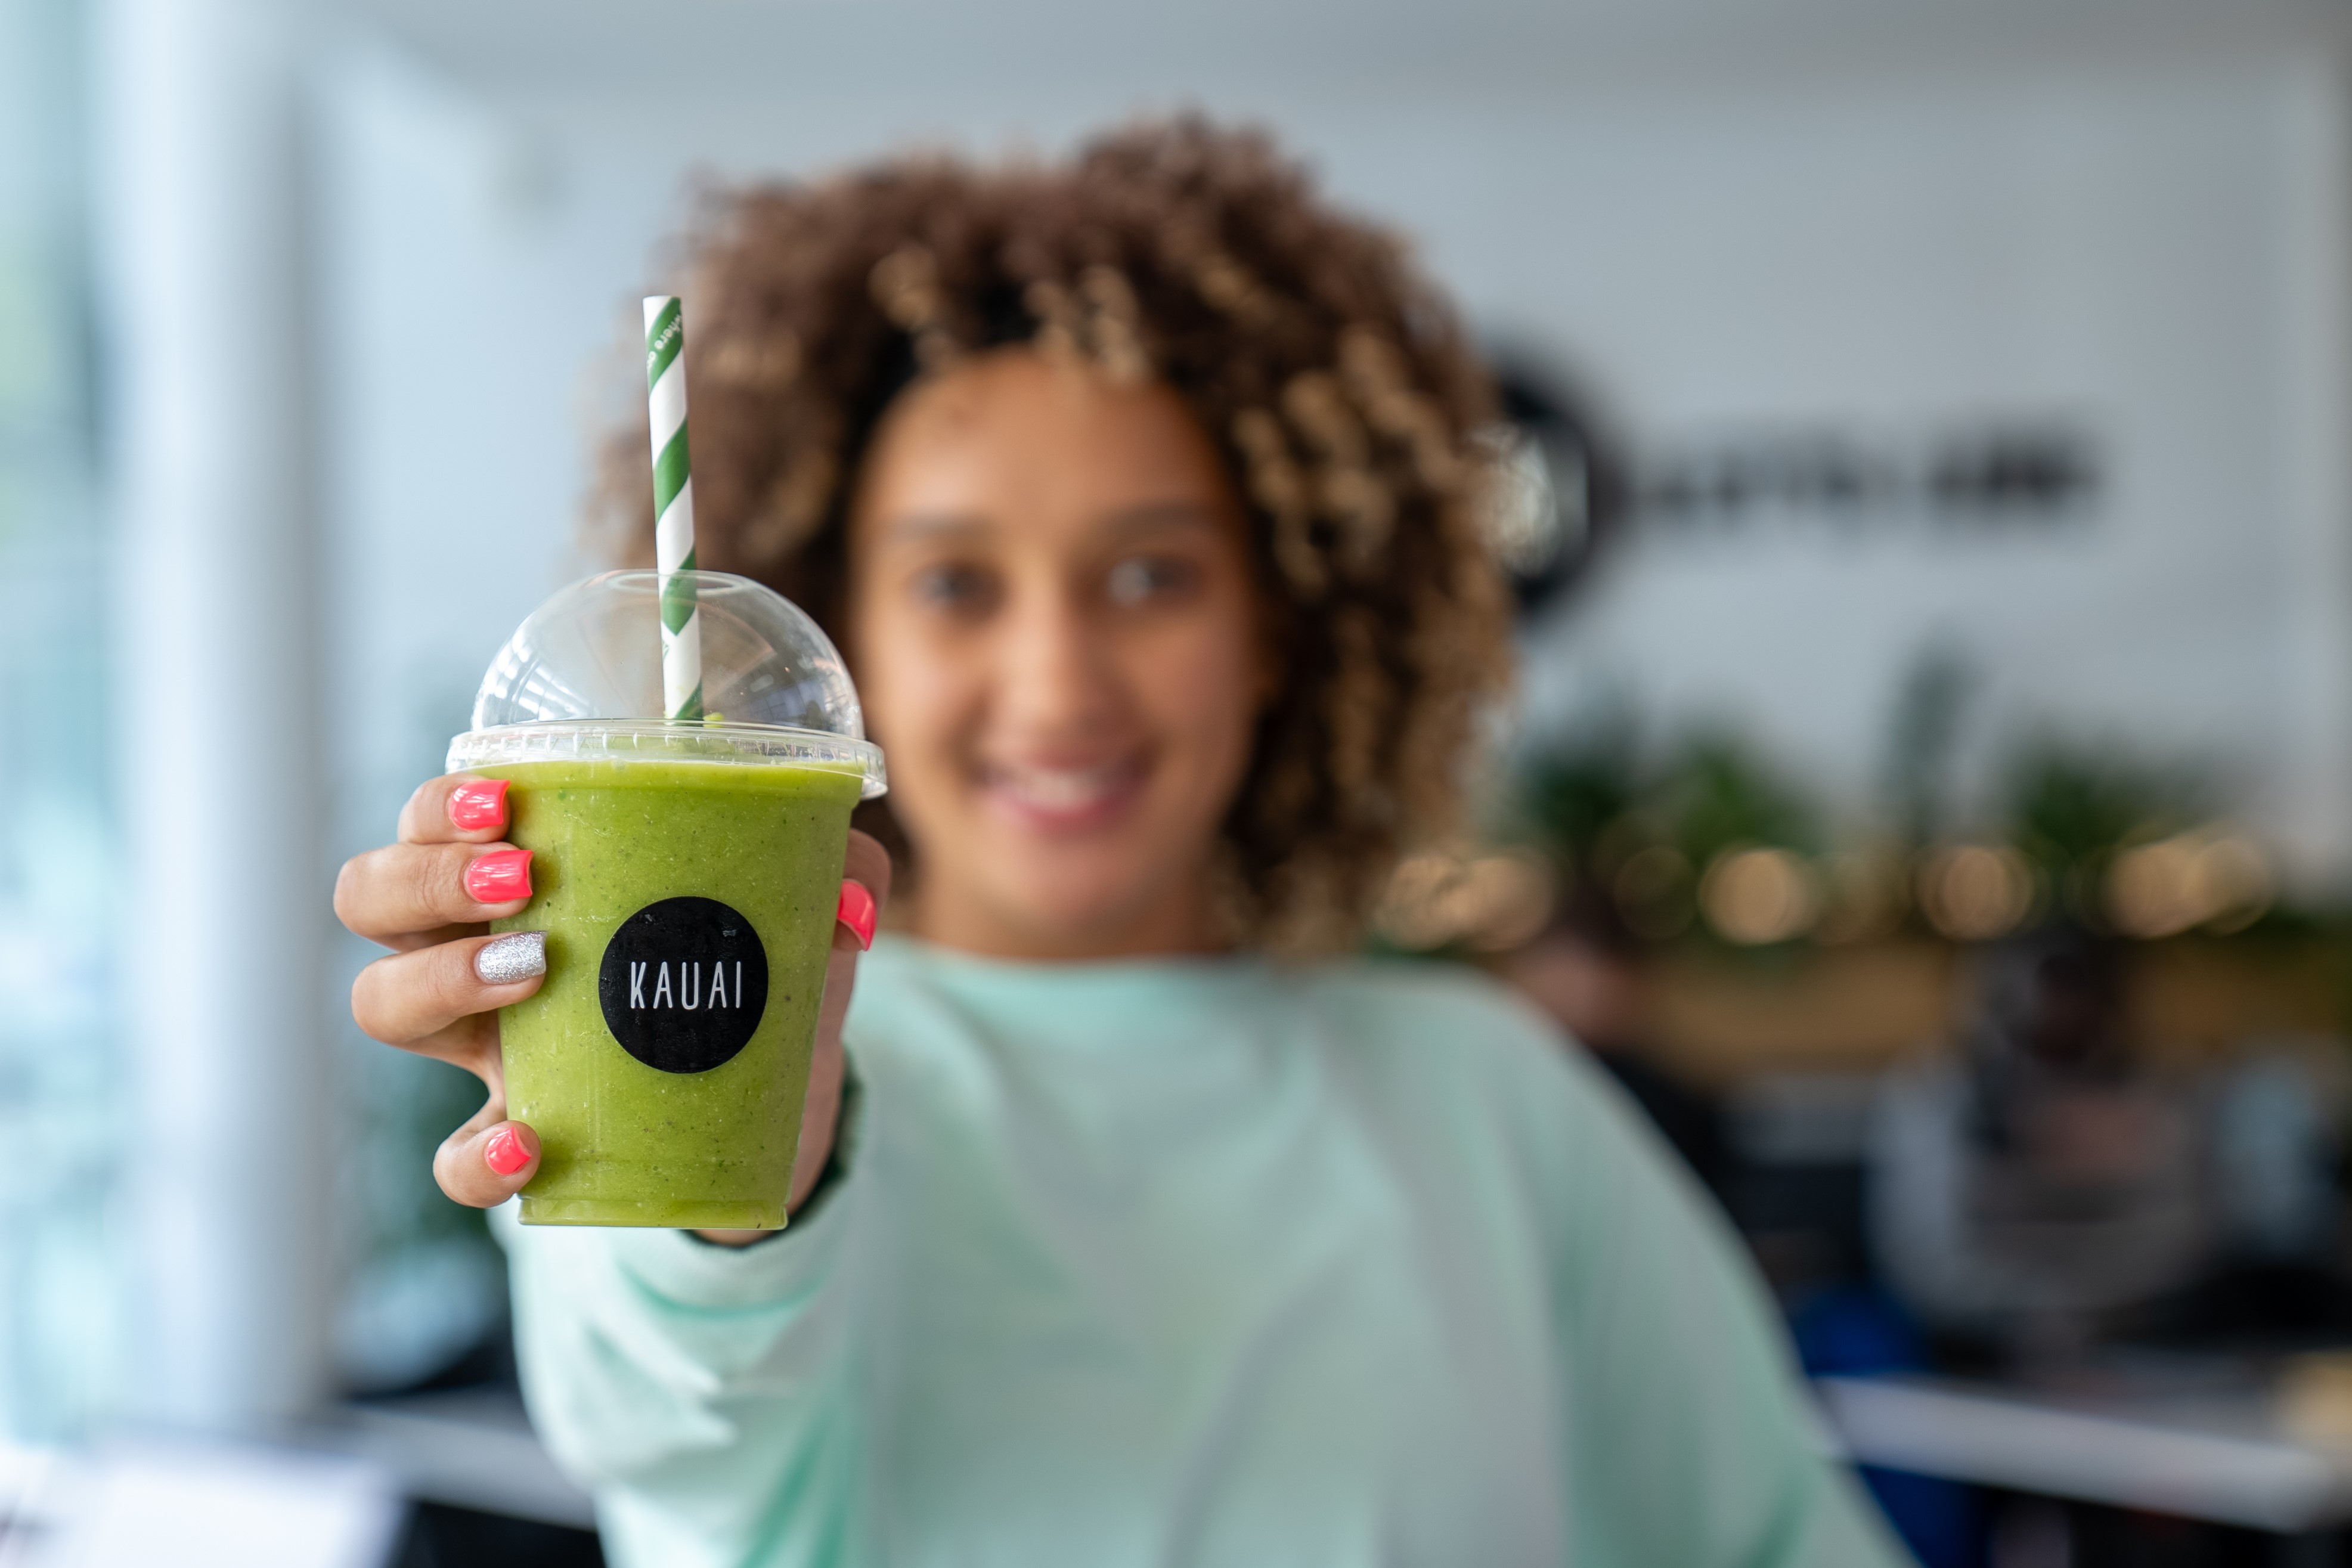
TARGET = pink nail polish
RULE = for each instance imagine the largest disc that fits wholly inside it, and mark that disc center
(499, 876)
(858, 912)
(506, 1153)
(478, 805)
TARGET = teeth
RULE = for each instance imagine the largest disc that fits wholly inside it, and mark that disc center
(1062, 789)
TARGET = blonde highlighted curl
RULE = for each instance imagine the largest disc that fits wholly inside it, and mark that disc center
(1337, 382)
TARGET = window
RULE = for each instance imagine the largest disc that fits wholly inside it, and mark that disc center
(60, 1104)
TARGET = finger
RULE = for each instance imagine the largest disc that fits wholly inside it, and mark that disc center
(865, 868)
(404, 890)
(854, 918)
(470, 1043)
(489, 1159)
(865, 883)
(821, 1105)
(456, 809)
(411, 997)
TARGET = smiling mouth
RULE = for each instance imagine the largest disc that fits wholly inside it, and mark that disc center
(1065, 799)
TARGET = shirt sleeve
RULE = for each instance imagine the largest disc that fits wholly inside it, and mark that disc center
(701, 1392)
(1690, 1439)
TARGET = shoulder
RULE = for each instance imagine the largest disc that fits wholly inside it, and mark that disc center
(1451, 1032)
(1425, 1008)
(1459, 1065)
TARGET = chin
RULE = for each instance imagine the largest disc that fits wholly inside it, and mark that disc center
(1081, 908)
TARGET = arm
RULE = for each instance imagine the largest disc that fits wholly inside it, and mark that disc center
(703, 1391)
(1690, 1438)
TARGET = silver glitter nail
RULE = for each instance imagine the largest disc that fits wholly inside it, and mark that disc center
(519, 956)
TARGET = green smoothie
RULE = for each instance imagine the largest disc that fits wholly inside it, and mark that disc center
(688, 908)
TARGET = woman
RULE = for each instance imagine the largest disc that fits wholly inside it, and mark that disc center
(1139, 492)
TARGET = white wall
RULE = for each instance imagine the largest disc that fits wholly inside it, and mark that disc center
(2151, 248)
(2150, 254)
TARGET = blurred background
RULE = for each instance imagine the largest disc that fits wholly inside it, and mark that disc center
(1930, 789)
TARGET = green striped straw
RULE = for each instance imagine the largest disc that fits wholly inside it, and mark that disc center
(673, 509)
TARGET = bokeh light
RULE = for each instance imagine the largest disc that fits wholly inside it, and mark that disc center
(1975, 892)
(2211, 877)
(1755, 896)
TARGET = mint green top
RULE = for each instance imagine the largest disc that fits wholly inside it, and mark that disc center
(1196, 1261)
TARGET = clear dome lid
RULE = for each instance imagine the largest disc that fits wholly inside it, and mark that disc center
(581, 678)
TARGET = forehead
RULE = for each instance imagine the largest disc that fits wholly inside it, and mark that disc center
(1014, 434)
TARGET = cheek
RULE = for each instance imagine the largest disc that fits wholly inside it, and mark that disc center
(1201, 691)
(917, 705)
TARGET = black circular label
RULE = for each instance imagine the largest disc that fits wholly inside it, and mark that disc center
(683, 984)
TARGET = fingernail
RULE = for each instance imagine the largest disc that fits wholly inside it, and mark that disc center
(508, 1152)
(857, 912)
(481, 804)
(499, 876)
(520, 955)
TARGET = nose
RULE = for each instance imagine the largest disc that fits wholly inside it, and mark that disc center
(1057, 680)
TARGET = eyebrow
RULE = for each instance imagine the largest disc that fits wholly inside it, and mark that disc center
(1163, 514)
(913, 527)
(1142, 516)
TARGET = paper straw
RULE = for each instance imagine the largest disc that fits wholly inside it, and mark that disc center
(673, 508)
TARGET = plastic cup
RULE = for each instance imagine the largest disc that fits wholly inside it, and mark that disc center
(686, 876)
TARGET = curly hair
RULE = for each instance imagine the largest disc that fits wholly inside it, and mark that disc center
(1337, 382)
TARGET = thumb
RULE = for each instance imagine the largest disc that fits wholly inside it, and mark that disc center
(489, 1159)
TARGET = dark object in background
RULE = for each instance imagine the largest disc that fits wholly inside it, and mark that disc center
(1687, 1116)
(1976, 476)
(2046, 1186)
(2052, 1005)
(1566, 488)
(2088, 1535)
(1855, 1329)
(1584, 970)
(439, 1536)
(2262, 1306)
(2041, 1174)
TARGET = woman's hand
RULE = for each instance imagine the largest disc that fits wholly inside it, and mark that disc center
(429, 897)
(865, 889)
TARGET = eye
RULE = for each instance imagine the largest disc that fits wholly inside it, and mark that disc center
(955, 587)
(1140, 579)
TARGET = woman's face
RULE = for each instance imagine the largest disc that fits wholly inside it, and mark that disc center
(1052, 620)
